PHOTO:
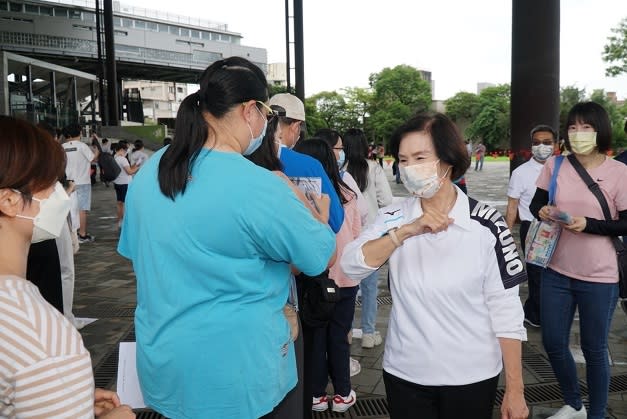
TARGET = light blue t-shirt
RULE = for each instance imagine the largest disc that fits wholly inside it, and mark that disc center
(212, 279)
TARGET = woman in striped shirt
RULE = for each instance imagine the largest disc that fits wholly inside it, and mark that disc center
(45, 371)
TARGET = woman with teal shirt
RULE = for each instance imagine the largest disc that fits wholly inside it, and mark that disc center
(211, 237)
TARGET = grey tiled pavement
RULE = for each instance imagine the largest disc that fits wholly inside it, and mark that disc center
(105, 288)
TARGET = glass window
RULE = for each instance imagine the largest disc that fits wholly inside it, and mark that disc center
(74, 14)
(127, 23)
(195, 34)
(174, 30)
(152, 26)
(15, 7)
(205, 35)
(185, 32)
(89, 17)
(163, 28)
(117, 21)
(3, 5)
(60, 11)
(140, 24)
(45, 11)
(32, 9)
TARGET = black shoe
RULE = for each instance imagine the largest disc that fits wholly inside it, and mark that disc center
(85, 239)
(532, 323)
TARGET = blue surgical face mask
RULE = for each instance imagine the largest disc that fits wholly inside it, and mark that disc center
(341, 159)
(255, 142)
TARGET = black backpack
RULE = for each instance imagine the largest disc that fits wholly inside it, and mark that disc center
(318, 295)
(110, 169)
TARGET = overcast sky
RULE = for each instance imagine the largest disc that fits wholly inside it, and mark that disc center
(462, 42)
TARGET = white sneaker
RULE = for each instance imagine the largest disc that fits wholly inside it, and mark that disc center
(370, 340)
(342, 404)
(568, 412)
(320, 404)
(355, 367)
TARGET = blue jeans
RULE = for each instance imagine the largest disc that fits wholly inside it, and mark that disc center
(596, 302)
(369, 292)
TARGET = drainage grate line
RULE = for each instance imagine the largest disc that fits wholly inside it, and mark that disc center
(148, 414)
(106, 372)
(537, 364)
(329, 414)
(106, 312)
(371, 408)
(618, 383)
(382, 301)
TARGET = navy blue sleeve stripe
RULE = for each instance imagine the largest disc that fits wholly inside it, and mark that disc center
(511, 266)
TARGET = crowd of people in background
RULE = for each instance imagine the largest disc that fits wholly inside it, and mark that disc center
(245, 308)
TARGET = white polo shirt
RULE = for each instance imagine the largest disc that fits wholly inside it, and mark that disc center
(522, 186)
(455, 293)
(79, 157)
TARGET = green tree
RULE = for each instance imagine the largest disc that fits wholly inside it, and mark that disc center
(617, 118)
(492, 121)
(615, 52)
(358, 103)
(569, 97)
(462, 106)
(398, 93)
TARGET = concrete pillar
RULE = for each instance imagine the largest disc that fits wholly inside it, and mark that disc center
(535, 71)
(4, 85)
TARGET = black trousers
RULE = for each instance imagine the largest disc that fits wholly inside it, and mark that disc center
(414, 401)
(44, 270)
(534, 274)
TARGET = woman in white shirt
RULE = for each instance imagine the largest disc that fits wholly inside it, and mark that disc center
(121, 182)
(454, 274)
(375, 188)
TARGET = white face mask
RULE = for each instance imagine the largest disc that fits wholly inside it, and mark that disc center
(582, 142)
(542, 151)
(52, 215)
(422, 179)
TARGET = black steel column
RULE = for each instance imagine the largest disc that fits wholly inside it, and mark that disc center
(299, 50)
(53, 98)
(112, 77)
(76, 107)
(535, 71)
(92, 93)
(287, 46)
(102, 104)
(30, 106)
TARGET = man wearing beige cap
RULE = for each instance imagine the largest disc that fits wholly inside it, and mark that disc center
(297, 165)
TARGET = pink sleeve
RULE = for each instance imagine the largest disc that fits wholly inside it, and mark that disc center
(545, 175)
(621, 195)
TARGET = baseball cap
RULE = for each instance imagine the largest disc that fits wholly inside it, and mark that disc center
(294, 107)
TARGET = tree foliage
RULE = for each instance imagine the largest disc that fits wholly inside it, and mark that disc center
(617, 118)
(463, 106)
(615, 52)
(491, 124)
(398, 93)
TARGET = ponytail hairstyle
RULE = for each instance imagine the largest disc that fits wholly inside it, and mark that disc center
(356, 152)
(320, 150)
(223, 85)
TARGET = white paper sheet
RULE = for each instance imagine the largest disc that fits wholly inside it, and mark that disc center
(128, 383)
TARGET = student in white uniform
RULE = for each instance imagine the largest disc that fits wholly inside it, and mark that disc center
(522, 187)
(454, 274)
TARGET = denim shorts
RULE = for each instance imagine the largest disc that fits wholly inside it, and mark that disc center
(83, 194)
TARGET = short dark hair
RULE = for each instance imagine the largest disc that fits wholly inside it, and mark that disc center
(72, 131)
(543, 128)
(447, 141)
(139, 144)
(30, 159)
(594, 114)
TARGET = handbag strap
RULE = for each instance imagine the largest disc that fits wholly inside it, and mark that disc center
(596, 191)
(553, 184)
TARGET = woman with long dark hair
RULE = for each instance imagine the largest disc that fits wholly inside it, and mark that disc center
(212, 254)
(330, 352)
(376, 190)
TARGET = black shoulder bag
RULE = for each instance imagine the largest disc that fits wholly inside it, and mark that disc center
(621, 252)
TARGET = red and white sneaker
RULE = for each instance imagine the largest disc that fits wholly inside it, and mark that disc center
(342, 404)
(320, 404)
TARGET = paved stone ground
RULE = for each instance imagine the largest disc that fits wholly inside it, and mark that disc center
(105, 289)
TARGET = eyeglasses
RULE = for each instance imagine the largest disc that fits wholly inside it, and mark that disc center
(543, 142)
(338, 148)
(273, 111)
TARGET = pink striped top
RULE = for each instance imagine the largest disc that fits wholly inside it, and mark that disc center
(45, 371)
